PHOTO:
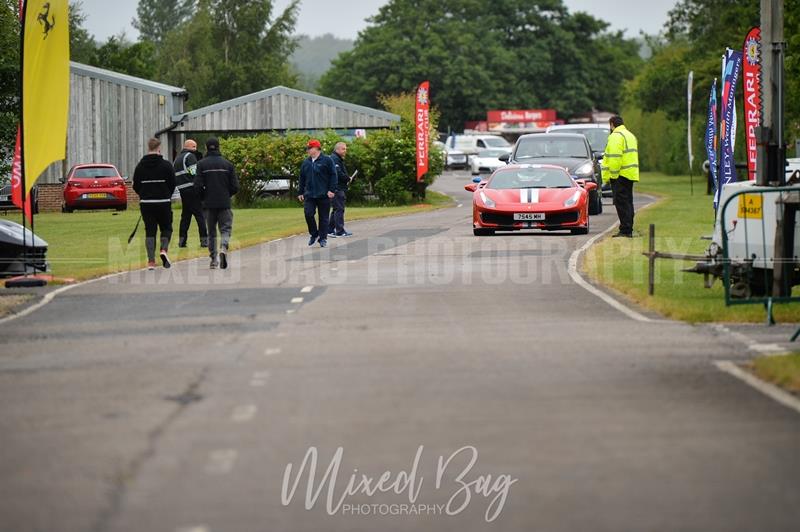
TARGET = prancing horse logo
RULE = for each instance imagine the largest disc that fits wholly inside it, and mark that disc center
(47, 20)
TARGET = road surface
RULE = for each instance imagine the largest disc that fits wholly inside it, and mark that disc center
(174, 400)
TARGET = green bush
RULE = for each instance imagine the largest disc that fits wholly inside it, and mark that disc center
(385, 160)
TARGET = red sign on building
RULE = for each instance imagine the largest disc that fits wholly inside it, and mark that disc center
(521, 116)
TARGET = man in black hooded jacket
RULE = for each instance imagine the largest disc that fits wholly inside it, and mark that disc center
(215, 183)
(154, 182)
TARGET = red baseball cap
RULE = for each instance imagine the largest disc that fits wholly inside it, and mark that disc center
(313, 143)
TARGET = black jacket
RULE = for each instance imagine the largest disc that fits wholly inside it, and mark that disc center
(216, 181)
(341, 171)
(154, 179)
(185, 168)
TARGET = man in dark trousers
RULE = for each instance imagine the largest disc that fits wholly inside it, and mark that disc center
(336, 228)
(215, 183)
(154, 182)
(317, 187)
(621, 168)
(185, 170)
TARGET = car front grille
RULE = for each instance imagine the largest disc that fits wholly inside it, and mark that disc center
(556, 218)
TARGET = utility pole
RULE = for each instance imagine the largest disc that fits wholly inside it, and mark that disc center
(771, 144)
(771, 167)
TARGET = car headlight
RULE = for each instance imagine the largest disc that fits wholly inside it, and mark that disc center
(585, 170)
(573, 200)
(487, 200)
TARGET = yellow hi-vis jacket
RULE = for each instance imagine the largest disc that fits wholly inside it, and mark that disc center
(622, 155)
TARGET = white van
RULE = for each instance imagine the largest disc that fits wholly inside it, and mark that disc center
(472, 144)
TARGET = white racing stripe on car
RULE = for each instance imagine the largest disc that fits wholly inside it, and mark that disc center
(534, 195)
(523, 195)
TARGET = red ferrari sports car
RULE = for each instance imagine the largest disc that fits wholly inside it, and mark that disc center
(530, 196)
(94, 186)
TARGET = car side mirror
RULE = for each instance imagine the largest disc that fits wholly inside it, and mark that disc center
(581, 183)
(476, 180)
(472, 187)
(505, 157)
(62, 180)
(598, 155)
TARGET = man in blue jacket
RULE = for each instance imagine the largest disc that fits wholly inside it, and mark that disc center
(317, 187)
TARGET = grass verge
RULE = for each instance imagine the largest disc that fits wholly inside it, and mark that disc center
(9, 302)
(681, 219)
(83, 245)
(781, 370)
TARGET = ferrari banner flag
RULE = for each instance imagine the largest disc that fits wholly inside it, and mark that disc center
(733, 65)
(711, 135)
(16, 180)
(45, 86)
(423, 107)
(752, 95)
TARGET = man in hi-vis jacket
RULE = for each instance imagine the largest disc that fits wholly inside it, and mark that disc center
(185, 170)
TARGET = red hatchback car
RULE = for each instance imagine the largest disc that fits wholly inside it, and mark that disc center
(94, 186)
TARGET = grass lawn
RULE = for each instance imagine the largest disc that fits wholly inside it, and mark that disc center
(83, 245)
(781, 370)
(680, 220)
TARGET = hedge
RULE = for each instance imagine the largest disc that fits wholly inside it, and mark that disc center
(385, 160)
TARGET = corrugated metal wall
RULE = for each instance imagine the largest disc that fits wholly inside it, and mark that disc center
(110, 123)
(281, 112)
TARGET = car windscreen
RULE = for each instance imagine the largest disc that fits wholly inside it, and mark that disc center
(95, 172)
(496, 142)
(491, 153)
(530, 178)
(598, 138)
(551, 146)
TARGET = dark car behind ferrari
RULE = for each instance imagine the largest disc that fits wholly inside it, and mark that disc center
(567, 150)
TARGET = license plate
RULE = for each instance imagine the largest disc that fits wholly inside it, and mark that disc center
(529, 216)
(96, 196)
(4, 198)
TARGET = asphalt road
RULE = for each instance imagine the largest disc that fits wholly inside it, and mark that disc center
(174, 400)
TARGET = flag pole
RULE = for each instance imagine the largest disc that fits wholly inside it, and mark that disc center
(22, 11)
(25, 281)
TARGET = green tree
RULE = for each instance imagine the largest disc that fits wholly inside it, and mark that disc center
(156, 18)
(81, 43)
(695, 37)
(230, 48)
(482, 54)
(120, 55)
(9, 81)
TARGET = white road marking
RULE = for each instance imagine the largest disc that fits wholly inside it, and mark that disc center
(272, 351)
(51, 295)
(297, 300)
(771, 391)
(767, 348)
(260, 379)
(291, 311)
(244, 413)
(221, 462)
(307, 290)
(198, 528)
(460, 205)
(580, 281)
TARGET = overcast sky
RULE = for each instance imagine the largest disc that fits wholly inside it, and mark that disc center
(345, 18)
